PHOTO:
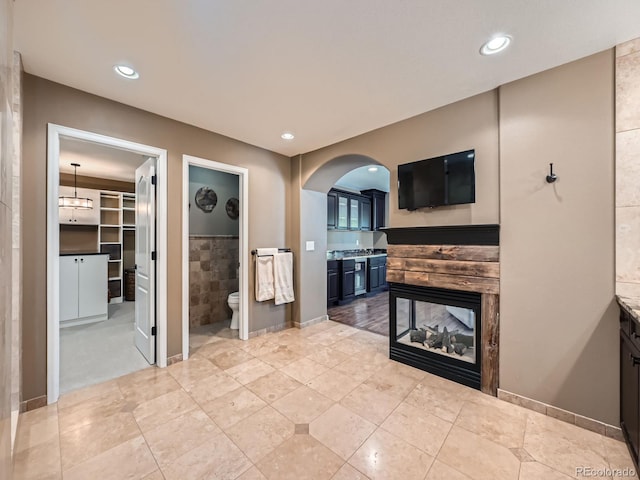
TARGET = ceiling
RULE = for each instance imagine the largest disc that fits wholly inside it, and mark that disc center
(324, 70)
(362, 179)
(98, 161)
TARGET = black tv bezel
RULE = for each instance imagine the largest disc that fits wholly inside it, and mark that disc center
(446, 183)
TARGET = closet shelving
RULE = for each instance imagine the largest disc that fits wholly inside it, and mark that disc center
(116, 236)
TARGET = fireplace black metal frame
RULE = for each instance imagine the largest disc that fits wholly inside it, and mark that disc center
(451, 368)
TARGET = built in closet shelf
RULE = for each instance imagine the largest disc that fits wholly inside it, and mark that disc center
(110, 209)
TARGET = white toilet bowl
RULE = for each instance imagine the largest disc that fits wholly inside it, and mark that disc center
(234, 304)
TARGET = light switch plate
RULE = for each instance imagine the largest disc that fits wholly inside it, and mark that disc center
(311, 245)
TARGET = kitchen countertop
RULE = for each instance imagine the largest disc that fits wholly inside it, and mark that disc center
(351, 254)
(75, 254)
(631, 305)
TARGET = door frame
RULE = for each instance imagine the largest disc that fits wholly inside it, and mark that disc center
(54, 133)
(243, 179)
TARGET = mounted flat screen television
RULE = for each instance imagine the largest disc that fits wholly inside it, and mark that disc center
(446, 180)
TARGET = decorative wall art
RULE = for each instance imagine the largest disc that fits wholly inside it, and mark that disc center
(233, 208)
(206, 199)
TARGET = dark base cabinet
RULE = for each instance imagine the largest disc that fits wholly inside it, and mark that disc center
(376, 274)
(347, 281)
(630, 383)
(333, 282)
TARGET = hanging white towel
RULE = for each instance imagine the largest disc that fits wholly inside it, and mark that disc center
(264, 278)
(266, 251)
(283, 277)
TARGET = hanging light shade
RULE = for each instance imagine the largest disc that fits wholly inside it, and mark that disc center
(81, 203)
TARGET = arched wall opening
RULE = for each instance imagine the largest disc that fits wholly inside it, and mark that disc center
(311, 271)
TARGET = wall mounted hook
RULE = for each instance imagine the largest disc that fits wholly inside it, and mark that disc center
(552, 177)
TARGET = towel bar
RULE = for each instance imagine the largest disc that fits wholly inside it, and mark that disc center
(280, 250)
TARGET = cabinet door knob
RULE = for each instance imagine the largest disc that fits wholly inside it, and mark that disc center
(634, 360)
(75, 260)
(82, 260)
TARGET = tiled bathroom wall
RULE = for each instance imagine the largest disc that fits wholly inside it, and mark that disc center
(213, 275)
(628, 168)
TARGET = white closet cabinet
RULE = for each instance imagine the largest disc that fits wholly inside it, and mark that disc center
(83, 289)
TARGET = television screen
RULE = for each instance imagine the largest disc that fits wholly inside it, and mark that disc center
(445, 180)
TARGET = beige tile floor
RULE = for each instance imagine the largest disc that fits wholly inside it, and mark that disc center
(319, 403)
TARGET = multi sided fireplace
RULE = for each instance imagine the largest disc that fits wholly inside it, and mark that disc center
(444, 285)
(437, 330)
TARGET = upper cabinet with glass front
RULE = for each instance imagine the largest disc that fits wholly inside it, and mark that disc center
(350, 211)
(343, 212)
(354, 213)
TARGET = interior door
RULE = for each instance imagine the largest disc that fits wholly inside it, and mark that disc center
(145, 264)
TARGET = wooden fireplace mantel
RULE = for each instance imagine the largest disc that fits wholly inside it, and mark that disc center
(465, 258)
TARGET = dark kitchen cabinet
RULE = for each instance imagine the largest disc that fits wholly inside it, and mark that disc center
(354, 213)
(347, 280)
(332, 210)
(376, 274)
(630, 382)
(378, 201)
(342, 211)
(333, 282)
(365, 214)
(373, 279)
(350, 211)
(382, 275)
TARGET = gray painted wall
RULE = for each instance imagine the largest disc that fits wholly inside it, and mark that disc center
(217, 222)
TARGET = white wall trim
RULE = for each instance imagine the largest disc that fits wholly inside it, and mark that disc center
(243, 173)
(54, 132)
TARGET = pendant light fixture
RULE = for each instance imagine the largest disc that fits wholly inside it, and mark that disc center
(76, 202)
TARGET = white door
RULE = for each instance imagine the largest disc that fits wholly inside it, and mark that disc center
(145, 265)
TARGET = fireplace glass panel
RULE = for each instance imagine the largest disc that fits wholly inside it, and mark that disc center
(444, 329)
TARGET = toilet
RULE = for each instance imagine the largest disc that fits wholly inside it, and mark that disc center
(234, 304)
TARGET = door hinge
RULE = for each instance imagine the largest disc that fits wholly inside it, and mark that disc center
(154, 179)
(153, 330)
(153, 256)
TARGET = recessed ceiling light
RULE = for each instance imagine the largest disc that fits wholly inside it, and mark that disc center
(495, 45)
(373, 169)
(287, 136)
(126, 72)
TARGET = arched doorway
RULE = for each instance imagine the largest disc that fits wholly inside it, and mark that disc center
(312, 213)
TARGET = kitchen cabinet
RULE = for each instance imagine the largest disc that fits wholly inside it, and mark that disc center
(342, 212)
(350, 211)
(365, 214)
(333, 282)
(80, 216)
(347, 280)
(378, 207)
(376, 273)
(332, 205)
(83, 289)
(630, 382)
(354, 213)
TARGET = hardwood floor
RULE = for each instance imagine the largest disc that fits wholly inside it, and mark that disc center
(370, 313)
